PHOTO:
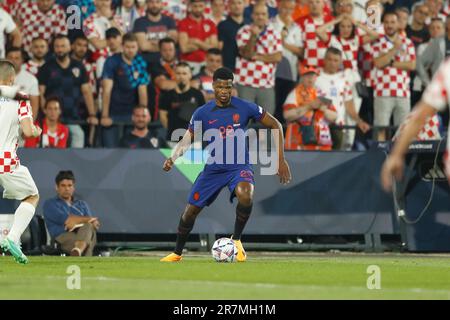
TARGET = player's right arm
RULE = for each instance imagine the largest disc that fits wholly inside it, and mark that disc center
(29, 129)
(179, 149)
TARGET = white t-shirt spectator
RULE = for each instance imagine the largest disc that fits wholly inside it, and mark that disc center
(294, 37)
(336, 88)
(27, 83)
(7, 26)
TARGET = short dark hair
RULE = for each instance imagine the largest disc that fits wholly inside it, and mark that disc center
(80, 36)
(53, 99)
(112, 33)
(166, 40)
(13, 49)
(129, 37)
(64, 175)
(214, 51)
(60, 36)
(223, 74)
(140, 106)
(183, 65)
(389, 13)
(334, 51)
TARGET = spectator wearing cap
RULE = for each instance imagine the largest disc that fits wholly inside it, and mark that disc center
(307, 116)
(67, 79)
(25, 80)
(153, 27)
(286, 75)
(54, 133)
(124, 84)
(39, 19)
(8, 27)
(69, 220)
(197, 35)
(141, 137)
(227, 31)
(39, 50)
(260, 50)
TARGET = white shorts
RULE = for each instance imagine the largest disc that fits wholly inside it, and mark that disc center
(18, 185)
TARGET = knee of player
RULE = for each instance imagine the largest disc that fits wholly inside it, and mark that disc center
(244, 198)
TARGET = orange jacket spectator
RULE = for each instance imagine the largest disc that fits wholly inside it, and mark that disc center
(308, 117)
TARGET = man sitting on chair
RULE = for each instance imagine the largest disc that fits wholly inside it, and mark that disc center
(69, 221)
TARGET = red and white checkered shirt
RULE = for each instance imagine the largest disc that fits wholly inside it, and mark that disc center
(349, 48)
(91, 69)
(390, 81)
(430, 130)
(32, 67)
(95, 26)
(314, 47)
(11, 113)
(258, 74)
(35, 23)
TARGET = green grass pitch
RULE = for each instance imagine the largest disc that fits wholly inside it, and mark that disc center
(283, 276)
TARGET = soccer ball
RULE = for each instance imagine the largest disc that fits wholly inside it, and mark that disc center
(224, 250)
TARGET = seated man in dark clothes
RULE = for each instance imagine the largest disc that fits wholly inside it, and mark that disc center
(141, 137)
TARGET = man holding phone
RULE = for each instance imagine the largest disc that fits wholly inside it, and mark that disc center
(308, 116)
(333, 86)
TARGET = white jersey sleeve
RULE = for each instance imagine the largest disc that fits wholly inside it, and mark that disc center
(437, 92)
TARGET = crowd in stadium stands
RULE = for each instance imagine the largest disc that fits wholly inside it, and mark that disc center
(127, 73)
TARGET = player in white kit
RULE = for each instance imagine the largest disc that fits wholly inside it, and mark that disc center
(16, 120)
(435, 98)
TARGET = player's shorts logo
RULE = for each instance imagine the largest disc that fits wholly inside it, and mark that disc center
(246, 174)
(196, 196)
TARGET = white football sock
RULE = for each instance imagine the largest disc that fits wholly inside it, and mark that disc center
(22, 218)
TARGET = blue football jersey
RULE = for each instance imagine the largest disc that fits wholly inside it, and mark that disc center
(224, 130)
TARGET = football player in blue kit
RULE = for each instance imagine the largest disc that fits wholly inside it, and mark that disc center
(229, 117)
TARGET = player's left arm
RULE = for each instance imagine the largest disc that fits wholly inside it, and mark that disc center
(284, 172)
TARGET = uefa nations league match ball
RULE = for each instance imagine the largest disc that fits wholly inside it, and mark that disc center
(224, 250)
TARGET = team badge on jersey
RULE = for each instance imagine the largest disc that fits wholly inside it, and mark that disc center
(76, 72)
(236, 118)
